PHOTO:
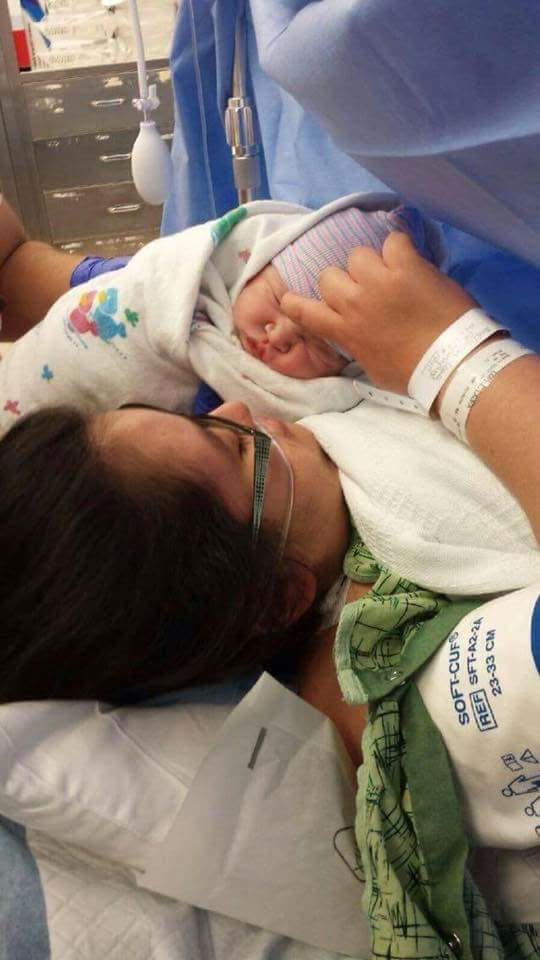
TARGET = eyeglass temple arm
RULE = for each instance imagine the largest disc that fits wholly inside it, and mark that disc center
(260, 466)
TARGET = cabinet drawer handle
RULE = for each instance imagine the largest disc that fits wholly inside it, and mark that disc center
(66, 195)
(115, 102)
(114, 157)
(124, 208)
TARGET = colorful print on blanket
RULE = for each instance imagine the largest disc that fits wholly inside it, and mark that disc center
(96, 312)
(419, 898)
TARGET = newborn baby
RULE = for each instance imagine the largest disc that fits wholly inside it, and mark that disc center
(267, 333)
(154, 330)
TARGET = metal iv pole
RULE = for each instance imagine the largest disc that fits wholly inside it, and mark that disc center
(239, 126)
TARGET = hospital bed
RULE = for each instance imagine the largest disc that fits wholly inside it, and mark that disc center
(69, 878)
(111, 797)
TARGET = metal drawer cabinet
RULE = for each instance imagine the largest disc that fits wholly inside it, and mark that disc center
(86, 160)
(97, 102)
(75, 214)
(120, 245)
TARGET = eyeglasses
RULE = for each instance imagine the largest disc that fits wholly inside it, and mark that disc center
(273, 479)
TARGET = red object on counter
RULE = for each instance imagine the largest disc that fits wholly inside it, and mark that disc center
(21, 49)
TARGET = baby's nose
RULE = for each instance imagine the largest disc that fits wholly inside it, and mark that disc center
(282, 333)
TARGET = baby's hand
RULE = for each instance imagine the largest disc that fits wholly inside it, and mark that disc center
(385, 311)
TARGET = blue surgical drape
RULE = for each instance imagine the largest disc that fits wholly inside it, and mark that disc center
(439, 100)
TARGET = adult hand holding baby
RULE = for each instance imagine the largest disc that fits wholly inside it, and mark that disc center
(385, 311)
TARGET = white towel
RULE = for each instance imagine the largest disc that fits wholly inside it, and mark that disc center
(425, 505)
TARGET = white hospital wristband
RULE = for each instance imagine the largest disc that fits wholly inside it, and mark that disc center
(474, 375)
(447, 352)
(385, 398)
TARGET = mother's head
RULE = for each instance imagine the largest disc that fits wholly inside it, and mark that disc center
(129, 561)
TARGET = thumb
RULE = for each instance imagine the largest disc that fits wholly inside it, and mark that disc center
(398, 250)
(313, 316)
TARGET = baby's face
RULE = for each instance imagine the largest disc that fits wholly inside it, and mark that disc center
(270, 336)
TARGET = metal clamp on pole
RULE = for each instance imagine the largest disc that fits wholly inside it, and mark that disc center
(239, 125)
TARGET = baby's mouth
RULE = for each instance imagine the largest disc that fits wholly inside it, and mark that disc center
(257, 348)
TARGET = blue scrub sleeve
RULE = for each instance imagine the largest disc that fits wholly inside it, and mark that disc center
(92, 267)
(205, 400)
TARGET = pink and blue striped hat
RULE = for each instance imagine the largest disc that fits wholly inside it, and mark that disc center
(330, 241)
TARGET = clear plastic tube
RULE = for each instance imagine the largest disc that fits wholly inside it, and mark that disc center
(139, 48)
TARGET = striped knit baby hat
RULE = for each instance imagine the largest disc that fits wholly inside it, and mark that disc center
(330, 241)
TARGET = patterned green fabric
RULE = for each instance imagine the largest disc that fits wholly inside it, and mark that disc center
(418, 896)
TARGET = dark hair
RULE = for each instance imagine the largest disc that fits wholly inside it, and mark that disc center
(116, 581)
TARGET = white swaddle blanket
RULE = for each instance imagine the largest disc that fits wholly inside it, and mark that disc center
(137, 335)
(425, 505)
